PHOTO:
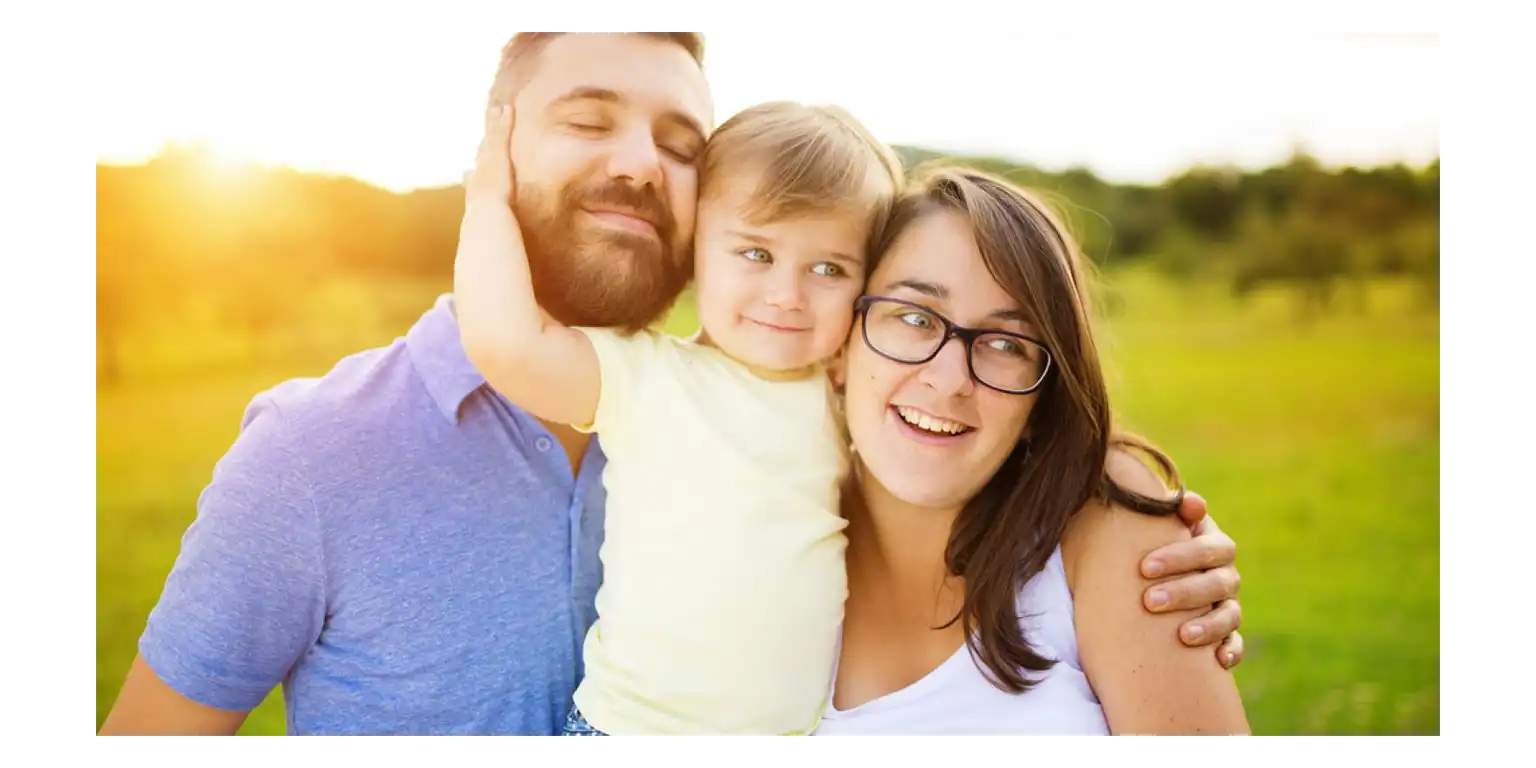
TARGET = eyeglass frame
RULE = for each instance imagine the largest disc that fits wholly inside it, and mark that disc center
(952, 330)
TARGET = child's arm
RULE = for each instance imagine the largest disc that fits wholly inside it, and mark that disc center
(547, 369)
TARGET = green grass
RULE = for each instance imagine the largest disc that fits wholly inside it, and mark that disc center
(1316, 445)
(1318, 448)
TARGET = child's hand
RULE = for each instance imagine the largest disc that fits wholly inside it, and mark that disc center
(491, 258)
(547, 369)
(491, 184)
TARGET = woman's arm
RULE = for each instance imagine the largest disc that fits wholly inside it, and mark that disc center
(547, 369)
(1147, 679)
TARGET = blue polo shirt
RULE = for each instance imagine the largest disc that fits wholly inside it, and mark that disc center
(397, 545)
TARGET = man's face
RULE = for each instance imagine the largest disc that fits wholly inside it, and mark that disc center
(608, 130)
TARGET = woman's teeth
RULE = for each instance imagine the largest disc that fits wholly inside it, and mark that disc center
(931, 423)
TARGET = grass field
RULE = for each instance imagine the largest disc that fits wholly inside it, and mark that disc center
(1317, 446)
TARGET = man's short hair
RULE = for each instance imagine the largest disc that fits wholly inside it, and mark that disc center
(522, 51)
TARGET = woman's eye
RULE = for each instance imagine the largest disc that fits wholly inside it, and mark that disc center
(1006, 346)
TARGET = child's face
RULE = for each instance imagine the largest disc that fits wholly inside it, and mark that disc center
(778, 296)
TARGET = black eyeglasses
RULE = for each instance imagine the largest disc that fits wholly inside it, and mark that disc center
(910, 333)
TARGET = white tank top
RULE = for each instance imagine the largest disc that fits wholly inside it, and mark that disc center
(955, 698)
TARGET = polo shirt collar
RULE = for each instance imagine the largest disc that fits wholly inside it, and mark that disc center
(433, 344)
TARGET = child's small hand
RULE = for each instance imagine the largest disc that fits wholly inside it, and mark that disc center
(491, 181)
(547, 369)
(489, 232)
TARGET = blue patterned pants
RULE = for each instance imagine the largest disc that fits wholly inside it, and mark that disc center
(577, 725)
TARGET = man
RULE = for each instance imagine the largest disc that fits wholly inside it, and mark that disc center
(400, 547)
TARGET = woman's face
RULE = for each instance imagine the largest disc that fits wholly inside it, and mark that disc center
(930, 434)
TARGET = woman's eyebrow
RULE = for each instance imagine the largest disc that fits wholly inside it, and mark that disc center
(932, 290)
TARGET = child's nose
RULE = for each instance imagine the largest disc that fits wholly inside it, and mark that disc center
(785, 292)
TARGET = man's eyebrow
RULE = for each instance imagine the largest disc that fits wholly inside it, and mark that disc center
(610, 96)
(585, 92)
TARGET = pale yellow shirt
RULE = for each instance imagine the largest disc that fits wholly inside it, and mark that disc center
(723, 571)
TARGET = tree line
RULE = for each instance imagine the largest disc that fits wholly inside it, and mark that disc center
(178, 230)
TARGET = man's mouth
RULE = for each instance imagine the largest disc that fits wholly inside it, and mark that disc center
(626, 220)
(929, 424)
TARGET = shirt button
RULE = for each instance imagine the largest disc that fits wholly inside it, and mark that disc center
(542, 443)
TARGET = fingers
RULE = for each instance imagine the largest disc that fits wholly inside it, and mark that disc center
(1214, 626)
(1230, 654)
(1192, 509)
(1208, 525)
(1197, 590)
(492, 174)
(1212, 549)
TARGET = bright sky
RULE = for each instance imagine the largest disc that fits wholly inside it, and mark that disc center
(396, 100)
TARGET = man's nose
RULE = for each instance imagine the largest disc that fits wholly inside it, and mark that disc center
(635, 157)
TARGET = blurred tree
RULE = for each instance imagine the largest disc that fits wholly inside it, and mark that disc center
(184, 231)
(1206, 200)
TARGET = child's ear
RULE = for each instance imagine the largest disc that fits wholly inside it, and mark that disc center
(837, 371)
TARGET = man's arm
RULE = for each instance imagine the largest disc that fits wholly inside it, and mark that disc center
(148, 706)
(245, 599)
(547, 369)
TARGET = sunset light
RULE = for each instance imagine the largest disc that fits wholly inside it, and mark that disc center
(324, 502)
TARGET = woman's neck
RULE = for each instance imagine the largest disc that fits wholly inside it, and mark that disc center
(898, 543)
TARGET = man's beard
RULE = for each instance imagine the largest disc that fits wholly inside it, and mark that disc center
(588, 276)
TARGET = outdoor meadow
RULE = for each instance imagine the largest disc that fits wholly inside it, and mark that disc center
(1276, 331)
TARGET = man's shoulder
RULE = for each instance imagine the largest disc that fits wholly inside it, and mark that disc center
(360, 391)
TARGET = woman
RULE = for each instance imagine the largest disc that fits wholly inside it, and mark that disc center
(997, 520)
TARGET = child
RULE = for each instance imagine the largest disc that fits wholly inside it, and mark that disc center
(724, 577)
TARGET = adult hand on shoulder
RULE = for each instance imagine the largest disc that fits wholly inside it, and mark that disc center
(1204, 575)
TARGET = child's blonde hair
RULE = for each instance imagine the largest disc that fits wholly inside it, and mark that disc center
(808, 158)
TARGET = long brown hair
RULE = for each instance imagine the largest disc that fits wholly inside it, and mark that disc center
(1007, 532)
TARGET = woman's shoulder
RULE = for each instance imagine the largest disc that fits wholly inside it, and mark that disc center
(1106, 534)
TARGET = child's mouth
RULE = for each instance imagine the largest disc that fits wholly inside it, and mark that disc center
(779, 328)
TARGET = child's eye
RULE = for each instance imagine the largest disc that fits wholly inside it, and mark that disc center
(828, 269)
(759, 255)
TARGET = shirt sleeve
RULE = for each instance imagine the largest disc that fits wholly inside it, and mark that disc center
(246, 596)
(625, 363)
